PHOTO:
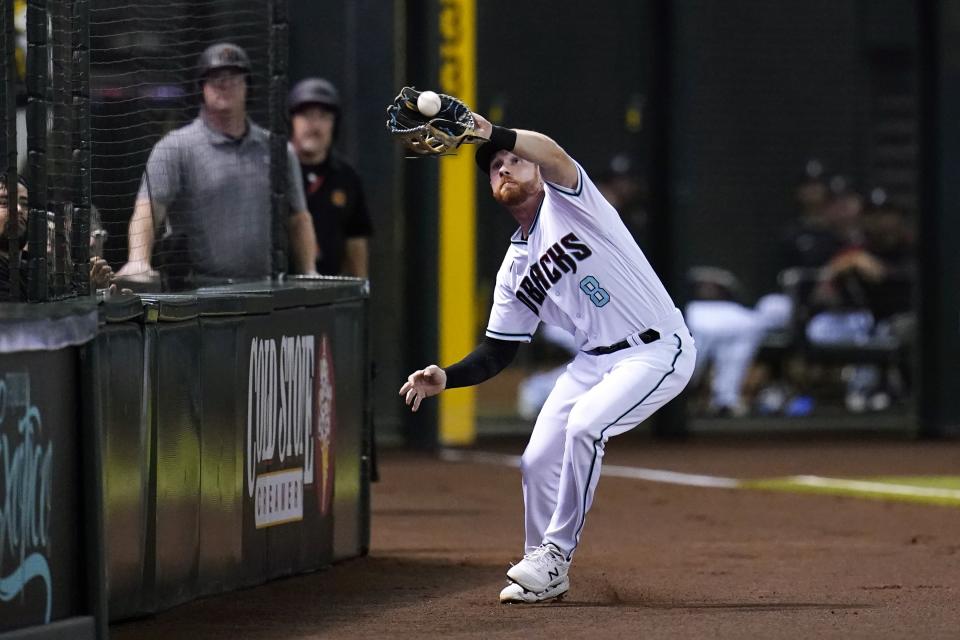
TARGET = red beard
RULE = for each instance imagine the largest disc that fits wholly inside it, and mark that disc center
(510, 193)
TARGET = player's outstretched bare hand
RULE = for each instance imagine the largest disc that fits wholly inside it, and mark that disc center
(483, 125)
(423, 384)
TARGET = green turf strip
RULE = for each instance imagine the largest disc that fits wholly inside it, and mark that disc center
(940, 482)
(900, 487)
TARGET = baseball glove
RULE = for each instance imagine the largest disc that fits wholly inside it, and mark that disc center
(435, 135)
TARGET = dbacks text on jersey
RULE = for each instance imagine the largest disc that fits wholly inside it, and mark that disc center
(548, 270)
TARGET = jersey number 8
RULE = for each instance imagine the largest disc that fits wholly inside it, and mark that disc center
(598, 295)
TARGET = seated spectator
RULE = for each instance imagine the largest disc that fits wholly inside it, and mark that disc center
(828, 221)
(890, 238)
(864, 294)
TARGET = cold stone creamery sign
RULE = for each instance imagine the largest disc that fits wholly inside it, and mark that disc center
(279, 426)
(289, 422)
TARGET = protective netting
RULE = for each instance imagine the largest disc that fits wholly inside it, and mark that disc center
(45, 140)
(67, 143)
(11, 227)
(205, 198)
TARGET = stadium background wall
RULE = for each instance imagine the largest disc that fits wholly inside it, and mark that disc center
(696, 93)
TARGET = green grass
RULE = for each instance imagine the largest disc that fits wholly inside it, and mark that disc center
(898, 486)
(938, 482)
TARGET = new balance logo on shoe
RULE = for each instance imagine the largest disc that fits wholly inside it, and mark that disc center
(539, 569)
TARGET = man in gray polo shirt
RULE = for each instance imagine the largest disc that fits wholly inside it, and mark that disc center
(209, 181)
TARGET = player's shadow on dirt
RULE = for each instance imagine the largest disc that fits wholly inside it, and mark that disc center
(314, 602)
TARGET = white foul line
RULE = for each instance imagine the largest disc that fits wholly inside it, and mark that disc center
(669, 477)
(876, 487)
(696, 480)
(636, 473)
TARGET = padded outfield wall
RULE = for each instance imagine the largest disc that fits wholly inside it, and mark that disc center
(165, 447)
(235, 439)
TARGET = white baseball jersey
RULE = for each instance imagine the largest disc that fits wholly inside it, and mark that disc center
(579, 269)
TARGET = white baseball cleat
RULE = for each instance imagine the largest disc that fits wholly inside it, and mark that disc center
(543, 568)
(515, 594)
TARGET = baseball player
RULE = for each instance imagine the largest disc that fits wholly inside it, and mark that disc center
(572, 264)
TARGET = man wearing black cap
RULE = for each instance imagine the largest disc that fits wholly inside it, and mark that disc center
(209, 184)
(334, 192)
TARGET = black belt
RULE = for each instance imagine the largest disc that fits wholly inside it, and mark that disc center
(648, 336)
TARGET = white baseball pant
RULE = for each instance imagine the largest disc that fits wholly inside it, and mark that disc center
(596, 398)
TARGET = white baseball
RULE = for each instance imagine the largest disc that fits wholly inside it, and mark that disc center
(428, 103)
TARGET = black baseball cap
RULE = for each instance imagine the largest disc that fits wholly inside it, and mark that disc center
(223, 55)
(484, 156)
(313, 91)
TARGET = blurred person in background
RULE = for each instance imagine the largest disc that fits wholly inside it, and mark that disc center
(334, 192)
(208, 183)
(6, 223)
(865, 293)
(889, 236)
(728, 334)
(101, 275)
(812, 192)
(830, 223)
(829, 220)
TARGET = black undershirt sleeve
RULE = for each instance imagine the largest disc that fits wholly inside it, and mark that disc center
(487, 360)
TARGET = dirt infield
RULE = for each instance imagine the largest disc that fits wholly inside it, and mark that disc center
(656, 561)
